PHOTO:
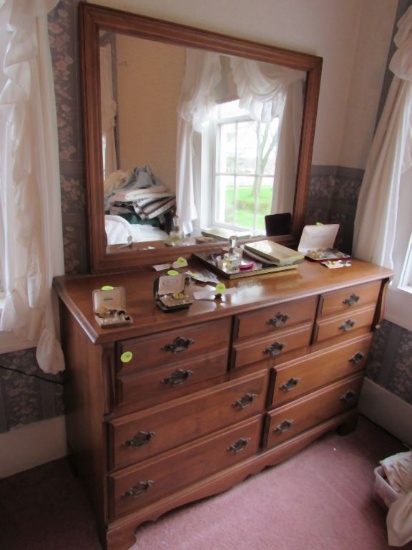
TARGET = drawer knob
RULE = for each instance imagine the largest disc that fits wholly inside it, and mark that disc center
(179, 377)
(239, 445)
(140, 439)
(139, 489)
(284, 426)
(347, 325)
(245, 401)
(290, 384)
(179, 344)
(348, 396)
(278, 320)
(274, 349)
(357, 358)
(352, 300)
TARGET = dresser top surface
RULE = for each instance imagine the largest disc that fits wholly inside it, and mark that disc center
(307, 279)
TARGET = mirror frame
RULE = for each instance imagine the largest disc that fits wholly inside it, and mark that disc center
(93, 19)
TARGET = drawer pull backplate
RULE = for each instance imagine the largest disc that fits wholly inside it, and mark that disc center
(139, 440)
(352, 300)
(348, 396)
(284, 426)
(239, 445)
(274, 349)
(245, 401)
(290, 384)
(139, 489)
(179, 344)
(179, 377)
(357, 358)
(347, 325)
(278, 320)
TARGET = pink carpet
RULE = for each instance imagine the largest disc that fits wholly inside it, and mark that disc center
(320, 499)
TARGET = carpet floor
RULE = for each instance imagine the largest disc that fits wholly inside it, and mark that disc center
(320, 499)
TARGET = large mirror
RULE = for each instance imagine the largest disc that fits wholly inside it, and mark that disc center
(159, 99)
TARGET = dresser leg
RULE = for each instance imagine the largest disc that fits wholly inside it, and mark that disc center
(349, 426)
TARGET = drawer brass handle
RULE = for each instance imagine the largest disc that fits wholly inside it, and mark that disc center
(347, 325)
(357, 358)
(274, 349)
(352, 300)
(139, 489)
(348, 396)
(179, 377)
(290, 384)
(284, 426)
(239, 445)
(179, 344)
(139, 440)
(245, 401)
(278, 320)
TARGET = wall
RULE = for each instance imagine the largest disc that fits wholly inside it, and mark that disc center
(353, 37)
(146, 135)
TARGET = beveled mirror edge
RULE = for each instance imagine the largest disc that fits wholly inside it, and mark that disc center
(92, 19)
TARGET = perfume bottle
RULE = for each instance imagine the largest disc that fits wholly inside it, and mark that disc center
(233, 258)
(175, 235)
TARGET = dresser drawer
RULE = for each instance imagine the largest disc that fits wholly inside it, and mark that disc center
(290, 420)
(138, 486)
(344, 326)
(296, 378)
(270, 349)
(349, 298)
(173, 345)
(271, 319)
(160, 384)
(136, 437)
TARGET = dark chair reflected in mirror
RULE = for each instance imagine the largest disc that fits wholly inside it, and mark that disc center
(278, 224)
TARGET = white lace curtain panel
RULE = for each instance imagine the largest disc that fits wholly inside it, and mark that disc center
(266, 91)
(389, 158)
(31, 244)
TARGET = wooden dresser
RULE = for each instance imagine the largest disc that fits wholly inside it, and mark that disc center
(180, 406)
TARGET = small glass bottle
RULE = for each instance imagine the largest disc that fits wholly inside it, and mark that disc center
(175, 235)
(233, 258)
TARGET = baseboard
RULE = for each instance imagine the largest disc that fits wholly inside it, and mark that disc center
(387, 410)
(29, 446)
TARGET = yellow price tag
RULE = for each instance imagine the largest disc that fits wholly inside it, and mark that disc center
(107, 287)
(220, 288)
(126, 356)
(172, 272)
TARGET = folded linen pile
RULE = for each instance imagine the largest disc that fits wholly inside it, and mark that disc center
(398, 471)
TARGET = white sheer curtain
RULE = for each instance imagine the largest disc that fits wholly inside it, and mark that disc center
(109, 110)
(202, 74)
(268, 91)
(31, 244)
(389, 158)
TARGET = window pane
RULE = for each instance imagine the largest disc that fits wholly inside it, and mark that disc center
(227, 148)
(224, 199)
(247, 145)
(269, 146)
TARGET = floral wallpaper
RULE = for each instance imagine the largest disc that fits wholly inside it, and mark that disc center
(26, 393)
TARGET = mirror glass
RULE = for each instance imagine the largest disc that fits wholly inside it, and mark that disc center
(182, 151)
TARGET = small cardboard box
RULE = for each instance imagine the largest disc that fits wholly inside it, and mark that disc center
(109, 307)
(317, 243)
